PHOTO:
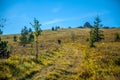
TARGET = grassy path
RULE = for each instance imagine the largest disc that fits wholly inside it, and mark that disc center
(62, 66)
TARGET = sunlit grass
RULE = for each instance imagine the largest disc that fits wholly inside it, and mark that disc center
(68, 61)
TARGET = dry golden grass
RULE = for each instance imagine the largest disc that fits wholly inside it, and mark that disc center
(68, 61)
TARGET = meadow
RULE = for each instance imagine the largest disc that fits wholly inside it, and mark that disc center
(73, 59)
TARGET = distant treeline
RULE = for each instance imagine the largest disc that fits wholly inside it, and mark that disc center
(88, 25)
(85, 25)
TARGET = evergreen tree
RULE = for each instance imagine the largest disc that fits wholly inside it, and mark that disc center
(53, 28)
(37, 32)
(2, 24)
(69, 27)
(14, 38)
(92, 37)
(96, 34)
(58, 27)
(30, 30)
(4, 53)
(30, 37)
(23, 40)
(87, 25)
(23, 37)
(24, 31)
(1, 31)
(26, 36)
(117, 37)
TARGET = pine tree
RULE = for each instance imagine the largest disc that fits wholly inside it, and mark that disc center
(26, 36)
(30, 37)
(92, 38)
(24, 31)
(98, 36)
(14, 38)
(23, 40)
(30, 30)
(53, 28)
(2, 24)
(1, 31)
(95, 34)
(117, 37)
(23, 37)
(4, 53)
(37, 32)
(87, 25)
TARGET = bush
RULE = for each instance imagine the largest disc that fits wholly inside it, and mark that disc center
(23, 40)
(85, 75)
(14, 38)
(117, 61)
(117, 37)
(30, 38)
(4, 53)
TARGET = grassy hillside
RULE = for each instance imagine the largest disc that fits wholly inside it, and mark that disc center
(68, 61)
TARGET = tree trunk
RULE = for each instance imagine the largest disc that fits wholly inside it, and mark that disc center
(37, 48)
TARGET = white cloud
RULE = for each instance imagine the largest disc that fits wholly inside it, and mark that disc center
(54, 21)
(88, 15)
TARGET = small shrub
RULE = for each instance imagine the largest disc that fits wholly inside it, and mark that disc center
(53, 28)
(85, 75)
(38, 61)
(4, 53)
(59, 41)
(30, 75)
(4, 72)
(30, 38)
(14, 38)
(23, 40)
(15, 71)
(117, 37)
(87, 39)
(117, 61)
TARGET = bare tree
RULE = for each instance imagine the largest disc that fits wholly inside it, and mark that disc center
(37, 32)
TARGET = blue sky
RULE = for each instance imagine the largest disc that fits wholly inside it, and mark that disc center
(20, 13)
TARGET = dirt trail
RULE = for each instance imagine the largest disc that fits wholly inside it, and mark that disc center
(69, 60)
